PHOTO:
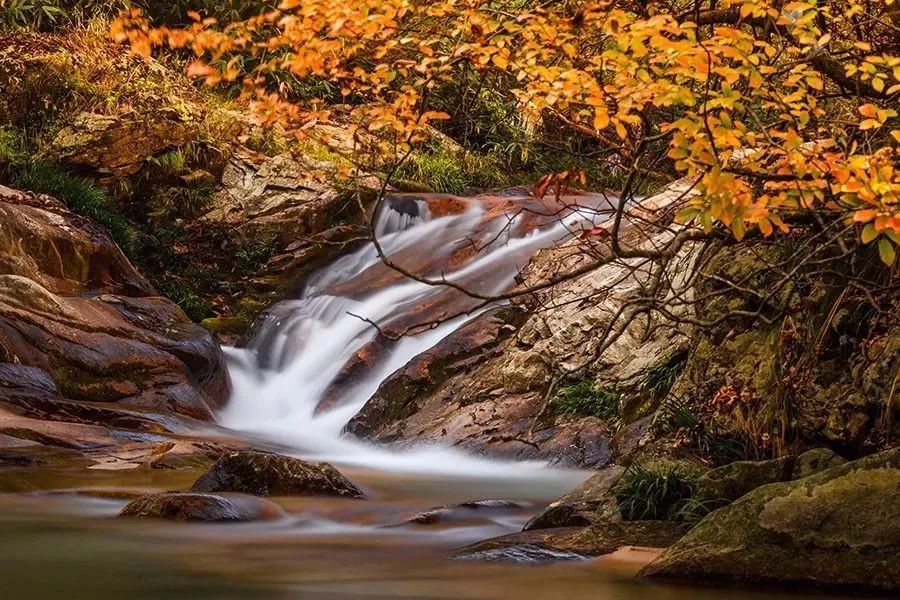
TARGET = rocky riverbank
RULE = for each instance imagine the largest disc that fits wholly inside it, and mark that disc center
(759, 448)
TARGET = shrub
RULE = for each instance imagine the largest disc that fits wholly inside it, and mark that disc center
(657, 492)
(13, 148)
(81, 196)
(195, 307)
(586, 398)
(686, 420)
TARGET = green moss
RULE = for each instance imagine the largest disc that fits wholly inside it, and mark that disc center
(225, 325)
(587, 399)
(81, 196)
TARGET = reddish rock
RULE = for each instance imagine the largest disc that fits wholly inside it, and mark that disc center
(203, 507)
(85, 340)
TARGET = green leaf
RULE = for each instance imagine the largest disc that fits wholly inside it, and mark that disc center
(687, 215)
(868, 234)
(887, 252)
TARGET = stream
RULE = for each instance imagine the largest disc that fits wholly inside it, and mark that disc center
(292, 392)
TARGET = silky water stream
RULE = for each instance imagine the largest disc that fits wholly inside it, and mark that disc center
(291, 392)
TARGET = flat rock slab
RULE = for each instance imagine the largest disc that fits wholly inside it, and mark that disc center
(266, 474)
(203, 507)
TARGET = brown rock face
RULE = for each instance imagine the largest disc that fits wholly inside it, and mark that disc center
(84, 338)
(119, 144)
(276, 197)
(440, 396)
(203, 507)
(483, 388)
(266, 474)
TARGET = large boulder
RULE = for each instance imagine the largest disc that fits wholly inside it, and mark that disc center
(266, 474)
(203, 507)
(84, 338)
(839, 528)
(279, 197)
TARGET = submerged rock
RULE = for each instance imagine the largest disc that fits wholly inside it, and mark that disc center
(203, 507)
(837, 528)
(525, 547)
(564, 543)
(265, 474)
(463, 511)
(523, 554)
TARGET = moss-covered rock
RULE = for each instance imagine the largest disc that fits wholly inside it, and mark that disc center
(838, 528)
(730, 482)
(265, 474)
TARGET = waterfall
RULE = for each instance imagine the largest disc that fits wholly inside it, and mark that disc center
(302, 346)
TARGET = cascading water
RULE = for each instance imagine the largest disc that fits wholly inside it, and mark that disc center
(302, 346)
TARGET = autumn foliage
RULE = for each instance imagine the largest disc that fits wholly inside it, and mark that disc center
(783, 112)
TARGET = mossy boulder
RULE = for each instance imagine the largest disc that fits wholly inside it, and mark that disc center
(730, 482)
(265, 474)
(838, 528)
(202, 507)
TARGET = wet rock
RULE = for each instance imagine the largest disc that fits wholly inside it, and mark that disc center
(203, 507)
(606, 537)
(87, 348)
(464, 511)
(595, 540)
(837, 528)
(581, 506)
(523, 554)
(41, 241)
(491, 398)
(527, 547)
(460, 352)
(265, 474)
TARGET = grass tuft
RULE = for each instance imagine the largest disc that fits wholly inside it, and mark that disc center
(452, 172)
(661, 377)
(81, 196)
(656, 492)
(586, 398)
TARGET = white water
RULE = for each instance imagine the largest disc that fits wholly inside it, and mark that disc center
(302, 344)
